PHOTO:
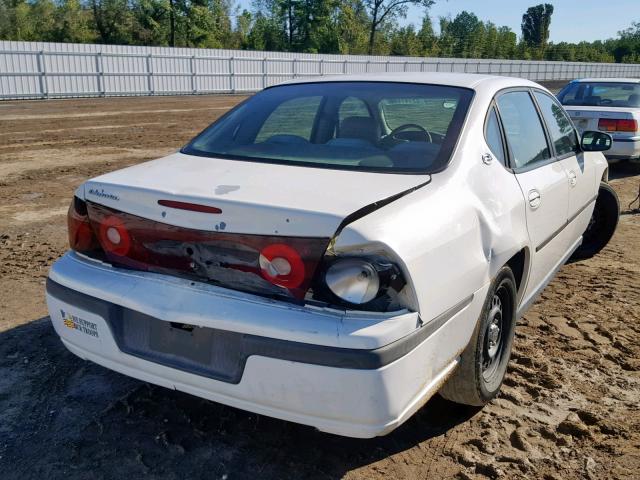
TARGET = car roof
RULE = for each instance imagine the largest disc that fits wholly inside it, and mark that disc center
(607, 80)
(465, 80)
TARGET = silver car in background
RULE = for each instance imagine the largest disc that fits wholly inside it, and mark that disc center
(608, 105)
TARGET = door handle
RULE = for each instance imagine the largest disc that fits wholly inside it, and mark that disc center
(534, 198)
(572, 178)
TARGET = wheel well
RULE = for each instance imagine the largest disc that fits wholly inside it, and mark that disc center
(516, 264)
(605, 175)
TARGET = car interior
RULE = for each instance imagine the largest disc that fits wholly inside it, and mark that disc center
(601, 95)
(398, 131)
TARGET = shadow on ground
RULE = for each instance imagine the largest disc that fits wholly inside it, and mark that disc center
(623, 169)
(63, 417)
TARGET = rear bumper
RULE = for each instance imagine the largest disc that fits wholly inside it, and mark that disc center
(363, 380)
(624, 149)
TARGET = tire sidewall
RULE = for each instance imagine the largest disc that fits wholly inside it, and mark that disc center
(488, 390)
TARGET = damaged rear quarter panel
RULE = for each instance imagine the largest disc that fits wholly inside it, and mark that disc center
(451, 236)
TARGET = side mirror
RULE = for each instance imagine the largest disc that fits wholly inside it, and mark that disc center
(596, 141)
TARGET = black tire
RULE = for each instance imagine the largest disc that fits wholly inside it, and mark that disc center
(602, 225)
(481, 370)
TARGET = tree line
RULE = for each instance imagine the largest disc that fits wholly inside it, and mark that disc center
(314, 26)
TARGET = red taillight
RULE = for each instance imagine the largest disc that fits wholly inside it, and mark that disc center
(617, 125)
(627, 125)
(114, 236)
(607, 124)
(262, 264)
(81, 236)
(282, 265)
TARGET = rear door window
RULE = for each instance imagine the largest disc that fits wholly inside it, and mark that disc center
(432, 114)
(493, 136)
(352, 107)
(291, 118)
(525, 135)
(560, 127)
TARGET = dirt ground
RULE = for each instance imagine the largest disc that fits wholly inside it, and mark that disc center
(569, 408)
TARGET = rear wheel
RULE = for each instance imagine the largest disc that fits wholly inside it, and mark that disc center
(483, 363)
(602, 225)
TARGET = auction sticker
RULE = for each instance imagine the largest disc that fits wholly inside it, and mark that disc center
(80, 324)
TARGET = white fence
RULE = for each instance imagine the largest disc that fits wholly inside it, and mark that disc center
(53, 70)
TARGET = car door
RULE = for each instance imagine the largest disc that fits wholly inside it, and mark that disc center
(580, 167)
(543, 182)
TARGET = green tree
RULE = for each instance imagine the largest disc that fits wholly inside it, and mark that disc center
(405, 42)
(243, 29)
(266, 34)
(491, 46)
(352, 24)
(507, 43)
(468, 34)
(427, 37)
(151, 22)
(388, 10)
(536, 23)
(113, 21)
(446, 40)
(73, 23)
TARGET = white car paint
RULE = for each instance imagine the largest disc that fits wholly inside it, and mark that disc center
(449, 238)
(626, 145)
(254, 198)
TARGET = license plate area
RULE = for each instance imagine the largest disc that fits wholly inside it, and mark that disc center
(182, 340)
(203, 351)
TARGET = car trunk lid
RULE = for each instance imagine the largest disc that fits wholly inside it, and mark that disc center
(252, 197)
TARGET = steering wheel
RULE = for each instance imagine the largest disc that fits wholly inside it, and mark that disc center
(407, 126)
(606, 101)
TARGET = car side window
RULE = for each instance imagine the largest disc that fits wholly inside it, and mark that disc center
(561, 130)
(524, 131)
(292, 118)
(493, 136)
(352, 107)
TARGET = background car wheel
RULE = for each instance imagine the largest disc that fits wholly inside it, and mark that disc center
(602, 225)
(484, 362)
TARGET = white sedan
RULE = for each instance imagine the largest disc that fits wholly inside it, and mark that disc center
(335, 251)
(610, 105)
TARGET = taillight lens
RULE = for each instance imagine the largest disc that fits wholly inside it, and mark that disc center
(617, 125)
(282, 265)
(114, 236)
(627, 125)
(81, 235)
(264, 264)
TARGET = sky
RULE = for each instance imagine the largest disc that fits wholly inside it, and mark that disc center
(572, 21)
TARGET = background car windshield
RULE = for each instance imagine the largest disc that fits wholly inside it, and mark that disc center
(377, 126)
(605, 94)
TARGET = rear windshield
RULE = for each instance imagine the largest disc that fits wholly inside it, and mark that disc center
(372, 126)
(601, 94)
